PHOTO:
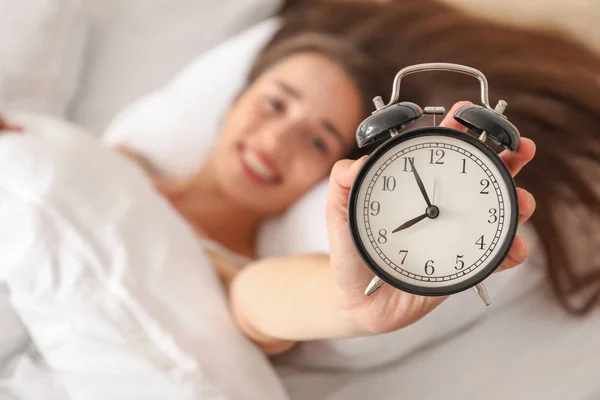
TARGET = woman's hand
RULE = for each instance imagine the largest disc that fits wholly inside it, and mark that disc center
(5, 126)
(390, 309)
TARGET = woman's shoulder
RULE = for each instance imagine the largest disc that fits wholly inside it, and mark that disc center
(225, 262)
(216, 247)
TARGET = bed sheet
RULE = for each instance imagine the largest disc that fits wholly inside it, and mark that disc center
(119, 305)
(531, 349)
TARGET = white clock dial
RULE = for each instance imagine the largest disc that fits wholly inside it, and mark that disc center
(475, 211)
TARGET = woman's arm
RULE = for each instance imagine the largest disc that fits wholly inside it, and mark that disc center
(277, 302)
(164, 185)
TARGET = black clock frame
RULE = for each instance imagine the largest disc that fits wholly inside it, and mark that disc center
(483, 272)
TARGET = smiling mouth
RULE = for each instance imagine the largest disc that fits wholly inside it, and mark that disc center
(258, 167)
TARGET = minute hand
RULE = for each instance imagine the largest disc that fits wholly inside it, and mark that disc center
(419, 182)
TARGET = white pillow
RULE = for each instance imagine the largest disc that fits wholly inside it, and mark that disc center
(175, 127)
(110, 281)
(41, 52)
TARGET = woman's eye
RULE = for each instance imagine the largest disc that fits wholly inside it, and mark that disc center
(274, 104)
(318, 144)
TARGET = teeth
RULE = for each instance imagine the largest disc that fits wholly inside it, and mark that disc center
(257, 166)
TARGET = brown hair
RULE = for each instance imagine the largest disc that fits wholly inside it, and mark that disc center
(356, 63)
(299, 32)
(551, 84)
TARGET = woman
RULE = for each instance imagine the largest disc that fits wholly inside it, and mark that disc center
(281, 136)
(297, 116)
(303, 84)
(550, 83)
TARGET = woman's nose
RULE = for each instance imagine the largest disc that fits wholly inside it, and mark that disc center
(284, 136)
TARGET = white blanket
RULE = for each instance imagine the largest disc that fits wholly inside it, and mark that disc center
(111, 284)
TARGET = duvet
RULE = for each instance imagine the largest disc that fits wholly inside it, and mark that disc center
(112, 286)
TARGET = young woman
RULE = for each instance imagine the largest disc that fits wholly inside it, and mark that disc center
(281, 136)
(311, 86)
(307, 92)
(288, 129)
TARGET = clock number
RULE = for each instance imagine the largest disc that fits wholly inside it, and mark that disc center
(429, 270)
(382, 239)
(464, 169)
(403, 258)
(480, 243)
(486, 184)
(389, 183)
(439, 153)
(493, 217)
(407, 164)
(460, 264)
(375, 206)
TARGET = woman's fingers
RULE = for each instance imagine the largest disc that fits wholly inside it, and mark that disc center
(351, 273)
(11, 128)
(519, 249)
(518, 254)
(513, 160)
(5, 126)
(341, 178)
(517, 160)
(526, 204)
(450, 122)
(344, 171)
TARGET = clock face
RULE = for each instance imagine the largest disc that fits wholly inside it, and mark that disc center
(452, 244)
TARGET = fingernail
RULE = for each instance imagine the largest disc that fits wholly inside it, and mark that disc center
(459, 104)
(531, 201)
(524, 250)
(356, 164)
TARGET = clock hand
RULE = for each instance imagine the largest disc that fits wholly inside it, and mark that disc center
(410, 223)
(419, 182)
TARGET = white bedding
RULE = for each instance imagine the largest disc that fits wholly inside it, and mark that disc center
(528, 350)
(522, 347)
(112, 285)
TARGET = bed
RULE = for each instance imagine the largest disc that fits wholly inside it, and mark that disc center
(523, 347)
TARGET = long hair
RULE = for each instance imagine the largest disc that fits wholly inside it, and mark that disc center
(551, 84)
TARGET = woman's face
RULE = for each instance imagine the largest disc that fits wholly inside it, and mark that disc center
(283, 134)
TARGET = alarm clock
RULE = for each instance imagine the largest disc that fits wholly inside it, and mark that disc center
(433, 211)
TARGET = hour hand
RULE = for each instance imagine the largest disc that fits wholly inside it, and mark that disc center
(410, 223)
